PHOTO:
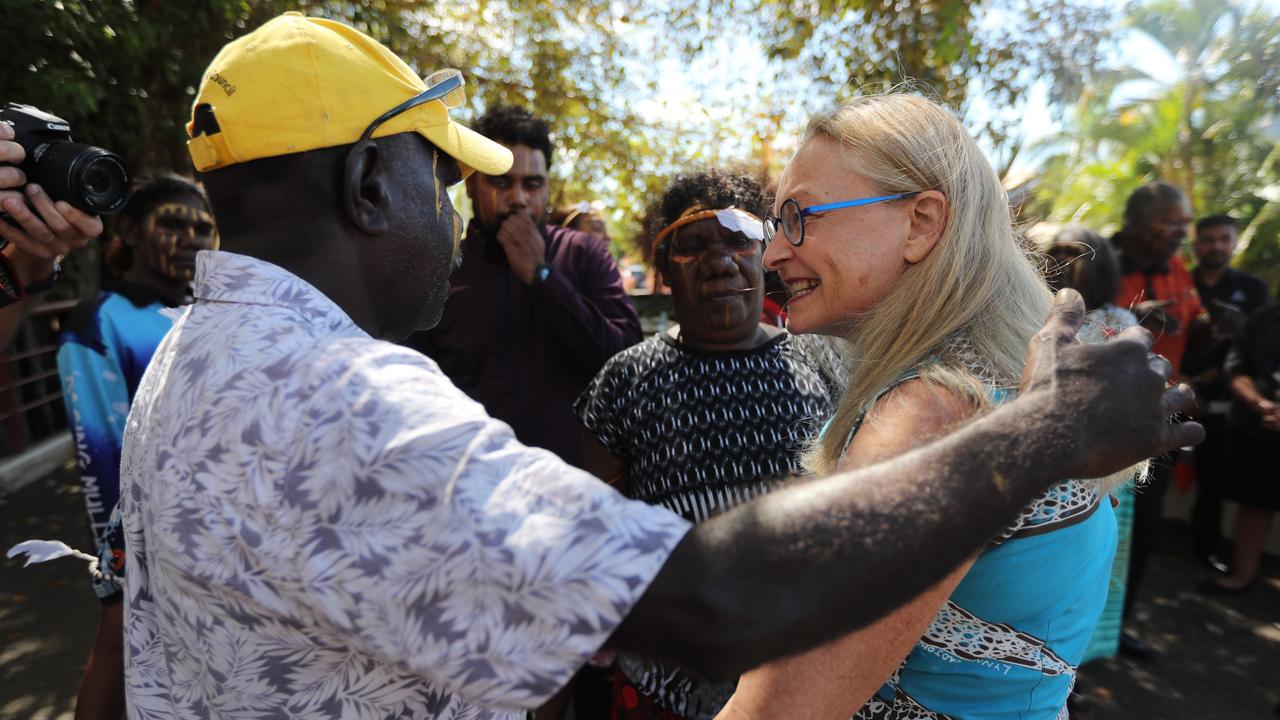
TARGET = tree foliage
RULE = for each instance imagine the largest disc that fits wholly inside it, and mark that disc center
(1203, 132)
(124, 72)
(957, 51)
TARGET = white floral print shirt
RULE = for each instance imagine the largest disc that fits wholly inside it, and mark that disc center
(320, 525)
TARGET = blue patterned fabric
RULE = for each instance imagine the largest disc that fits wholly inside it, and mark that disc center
(1007, 642)
(105, 346)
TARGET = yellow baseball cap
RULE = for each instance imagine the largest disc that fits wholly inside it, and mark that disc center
(299, 83)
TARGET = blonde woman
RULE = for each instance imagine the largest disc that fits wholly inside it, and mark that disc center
(892, 231)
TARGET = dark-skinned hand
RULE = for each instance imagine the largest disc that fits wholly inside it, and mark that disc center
(522, 241)
(1152, 315)
(1111, 401)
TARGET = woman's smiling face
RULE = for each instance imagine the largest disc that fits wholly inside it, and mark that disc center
(850, 258)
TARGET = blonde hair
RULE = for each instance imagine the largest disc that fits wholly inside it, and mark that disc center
(960, 318)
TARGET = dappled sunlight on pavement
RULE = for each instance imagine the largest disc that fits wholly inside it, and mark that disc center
(1219, 655)
(48, 613)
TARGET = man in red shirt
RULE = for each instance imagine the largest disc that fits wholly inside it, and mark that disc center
(1155, 284)
(1157, 287)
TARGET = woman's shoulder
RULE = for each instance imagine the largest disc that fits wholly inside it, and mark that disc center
(927, 403)
(652, 349)
(640, 363)
(907, 413)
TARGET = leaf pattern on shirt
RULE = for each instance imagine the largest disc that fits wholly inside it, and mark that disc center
(321, 525)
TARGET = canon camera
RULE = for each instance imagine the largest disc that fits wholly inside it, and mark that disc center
(87, 177)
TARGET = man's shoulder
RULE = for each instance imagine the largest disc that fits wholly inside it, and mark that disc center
(354, 356)
(1269, 313)
(365, 370)
(574, 244)
(1252, 283)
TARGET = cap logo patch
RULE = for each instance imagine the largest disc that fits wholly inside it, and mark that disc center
(223, 83)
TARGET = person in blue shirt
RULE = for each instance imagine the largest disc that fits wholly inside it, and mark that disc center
(108, 339)
(104, 349)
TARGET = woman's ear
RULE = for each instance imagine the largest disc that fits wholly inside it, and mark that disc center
(928, 219)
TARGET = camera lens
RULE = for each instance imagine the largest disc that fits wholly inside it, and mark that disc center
(97, 181)
(88, 177)
(103, 183)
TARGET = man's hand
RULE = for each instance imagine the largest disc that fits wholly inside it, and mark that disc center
(522, 240)
(1152, 315)
(36, 241)
(1109, 400)
(1270, 412)
(1226, 320)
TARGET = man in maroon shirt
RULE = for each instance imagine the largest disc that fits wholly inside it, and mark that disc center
(535, 310)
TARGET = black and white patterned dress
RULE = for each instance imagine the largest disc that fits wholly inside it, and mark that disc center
(701, 433)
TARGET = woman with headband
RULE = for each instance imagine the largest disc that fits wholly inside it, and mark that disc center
(891, 231)
(713, 411)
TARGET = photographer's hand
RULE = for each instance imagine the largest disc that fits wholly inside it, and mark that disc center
(36, 240)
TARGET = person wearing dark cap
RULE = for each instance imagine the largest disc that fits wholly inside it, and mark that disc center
(321, 524)
(536, 308)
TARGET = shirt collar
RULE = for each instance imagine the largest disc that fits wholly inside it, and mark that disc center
(139, 295)
(229, 277)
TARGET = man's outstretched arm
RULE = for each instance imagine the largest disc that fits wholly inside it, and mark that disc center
(815, 561)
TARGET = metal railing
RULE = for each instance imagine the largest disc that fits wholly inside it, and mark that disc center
(31, 407)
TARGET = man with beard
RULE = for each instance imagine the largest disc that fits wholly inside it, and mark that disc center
(1230, 296)
(1156, 286)
(536, 309)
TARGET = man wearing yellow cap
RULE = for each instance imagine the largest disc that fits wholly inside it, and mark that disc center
(322, 525)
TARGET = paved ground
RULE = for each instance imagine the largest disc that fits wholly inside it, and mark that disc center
(48, 614)
(1221, 656)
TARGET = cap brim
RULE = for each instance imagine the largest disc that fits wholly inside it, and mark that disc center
(471, 149)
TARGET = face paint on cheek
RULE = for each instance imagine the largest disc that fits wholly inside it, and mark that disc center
(162, 247)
